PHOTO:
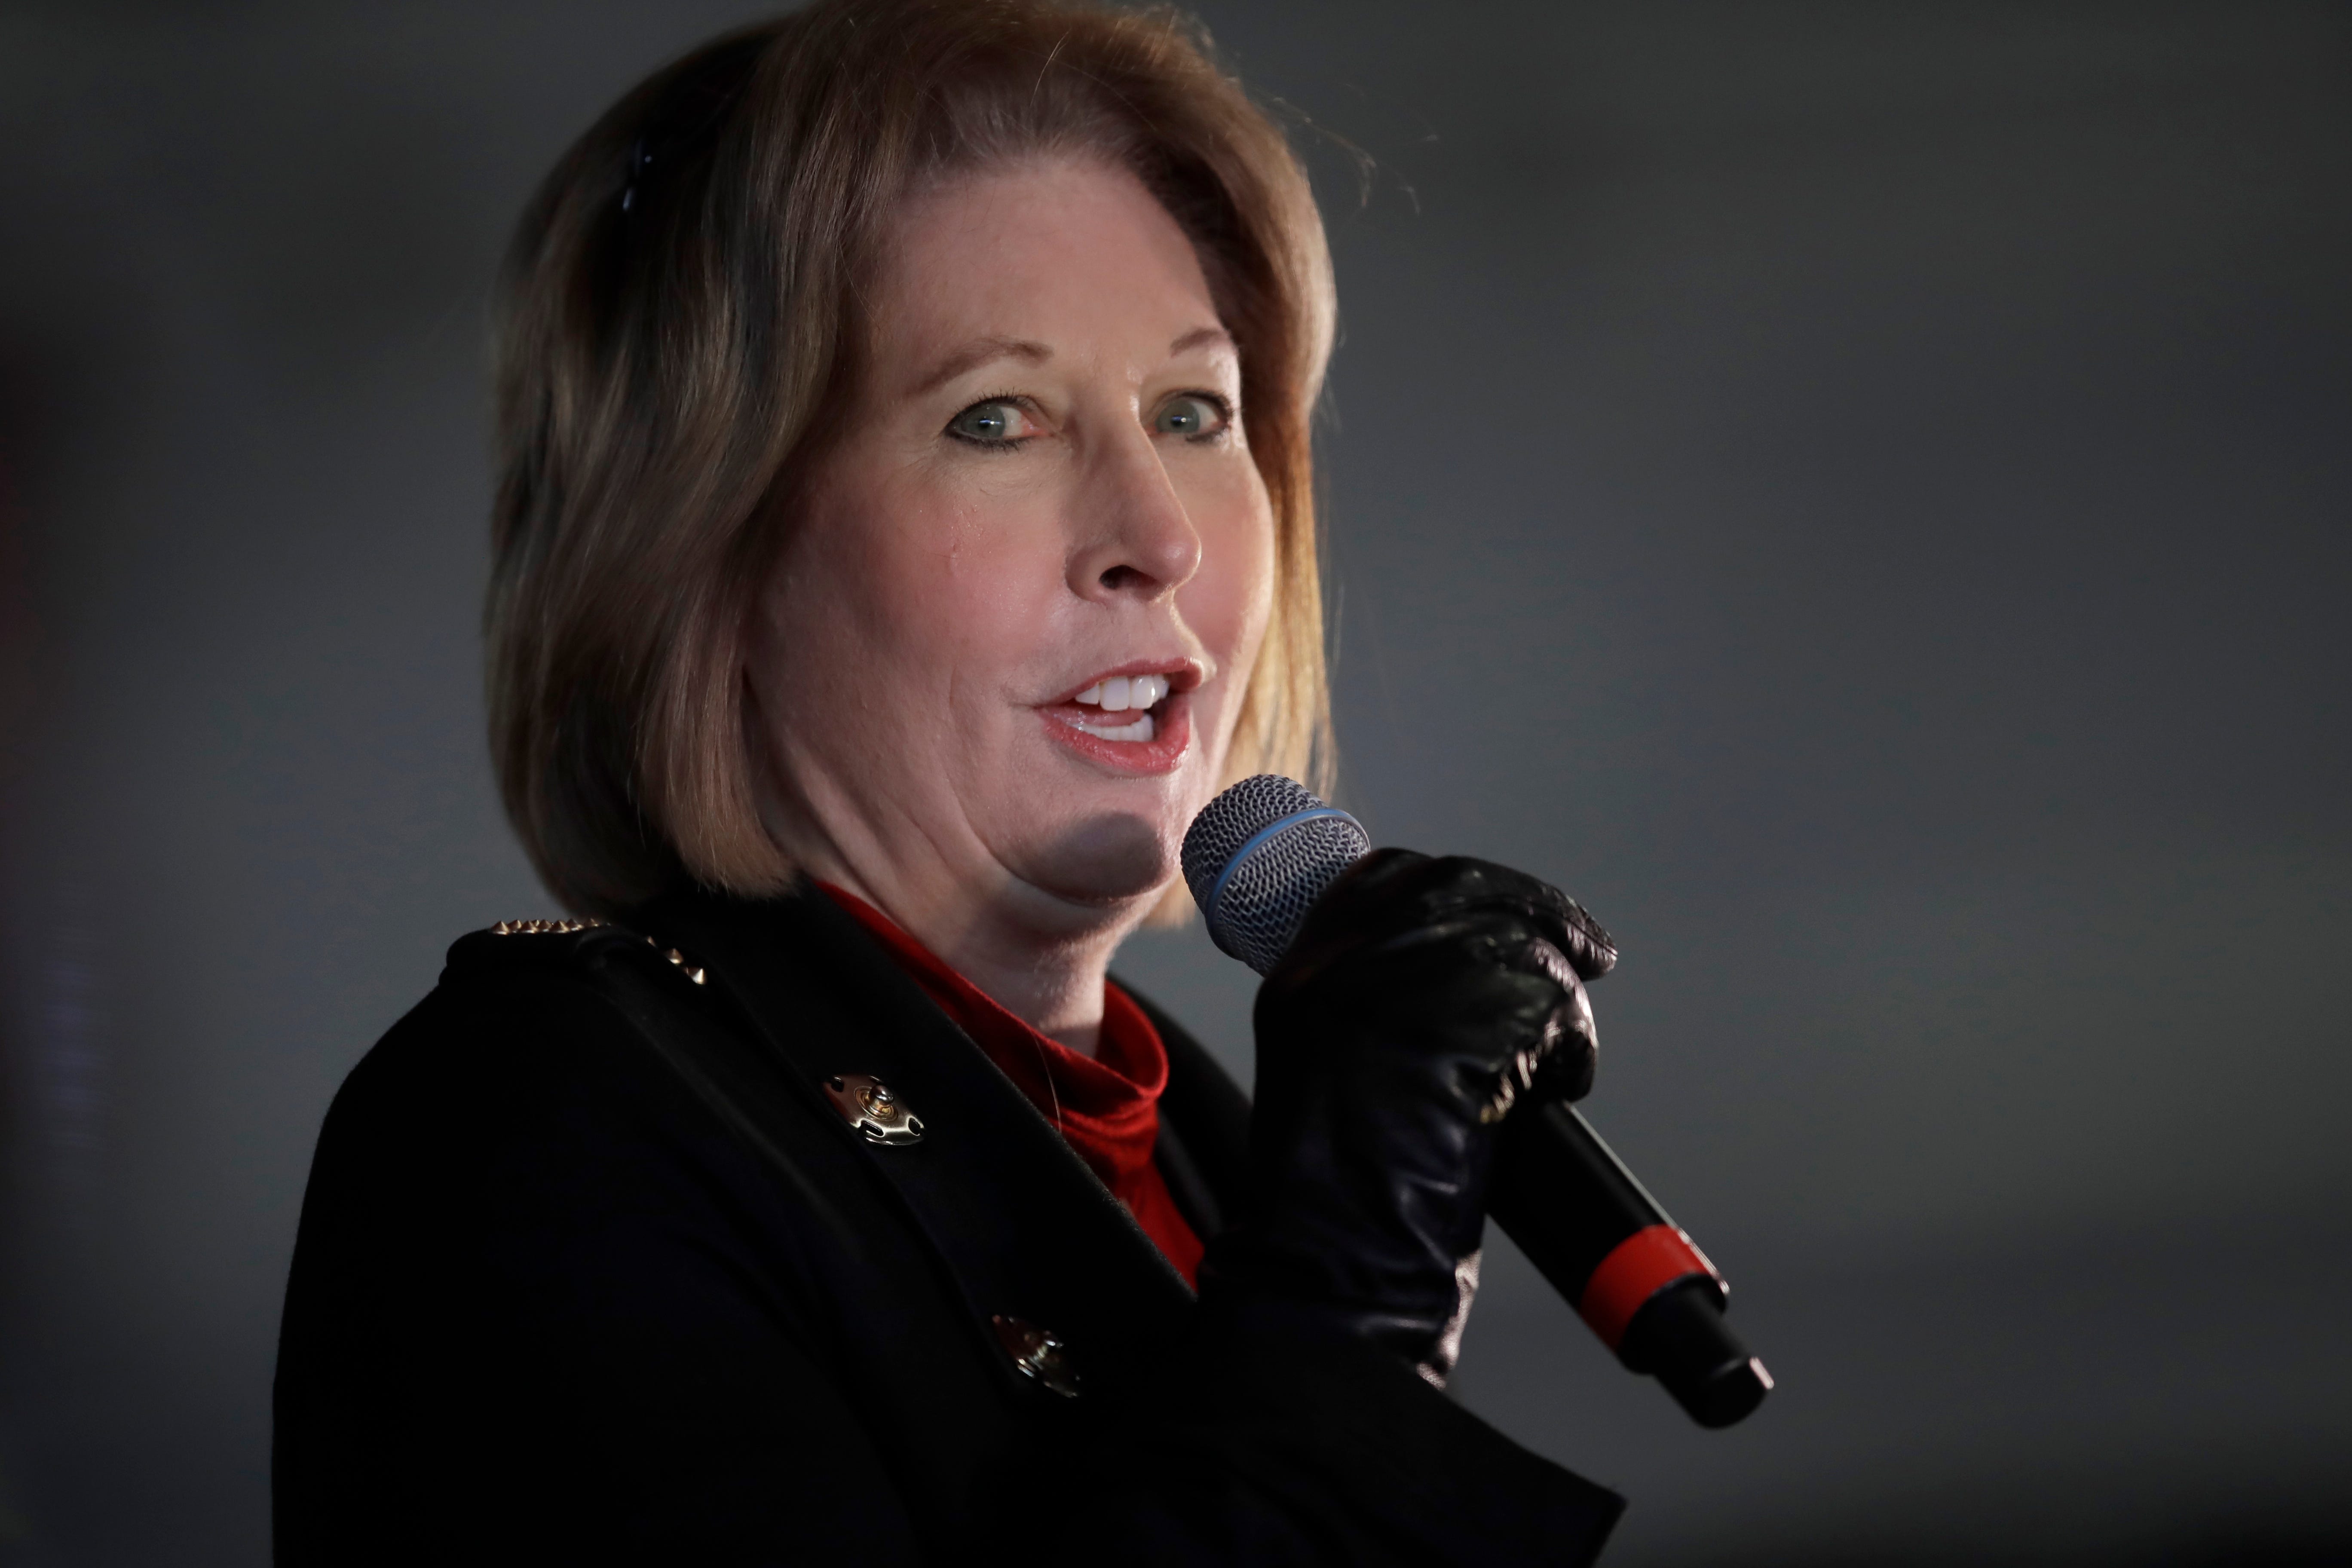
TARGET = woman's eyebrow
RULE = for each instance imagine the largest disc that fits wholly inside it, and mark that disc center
(978, 353)
(1199, 337)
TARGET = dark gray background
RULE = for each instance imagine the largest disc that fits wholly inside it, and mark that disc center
(1858, 493)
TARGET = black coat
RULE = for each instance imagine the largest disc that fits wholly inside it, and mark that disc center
(592, 1268)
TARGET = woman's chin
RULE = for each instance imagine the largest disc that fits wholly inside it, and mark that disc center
(1103, 858)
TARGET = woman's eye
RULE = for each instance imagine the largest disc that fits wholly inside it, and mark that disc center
(996, 422)
(1192, 417)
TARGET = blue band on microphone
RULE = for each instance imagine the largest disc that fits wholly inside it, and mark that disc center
(1217, 889)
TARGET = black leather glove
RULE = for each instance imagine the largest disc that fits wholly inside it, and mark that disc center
(1421, 999)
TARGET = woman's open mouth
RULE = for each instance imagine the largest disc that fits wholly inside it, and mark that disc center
(1121, 708)
(1137, 722)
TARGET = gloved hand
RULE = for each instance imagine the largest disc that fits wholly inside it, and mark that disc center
(1421, 1000)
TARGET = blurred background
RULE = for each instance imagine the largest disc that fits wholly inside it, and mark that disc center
(1859, 493)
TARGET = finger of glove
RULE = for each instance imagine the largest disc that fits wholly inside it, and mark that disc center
(1455, 1003)
(1540, 1036)
(1420, 962)
(1567, 1071)
(1467, 883)
(1556, 1057)
(1391, 892)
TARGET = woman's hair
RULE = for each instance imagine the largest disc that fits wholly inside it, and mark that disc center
(680, 309)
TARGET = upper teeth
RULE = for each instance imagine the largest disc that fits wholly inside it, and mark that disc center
(1122, 692)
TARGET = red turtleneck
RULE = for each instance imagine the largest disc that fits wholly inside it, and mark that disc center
(1106, 1106)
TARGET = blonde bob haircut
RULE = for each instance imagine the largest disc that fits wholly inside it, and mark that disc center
(680, 318)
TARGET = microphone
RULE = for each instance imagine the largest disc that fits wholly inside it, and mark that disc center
(1256, 859)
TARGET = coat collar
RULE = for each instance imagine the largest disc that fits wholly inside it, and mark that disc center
(1022, 1227)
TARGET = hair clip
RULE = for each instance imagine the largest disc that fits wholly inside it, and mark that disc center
(640, 157)
(689, 119)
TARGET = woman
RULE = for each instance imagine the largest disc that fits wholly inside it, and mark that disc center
(904, 529)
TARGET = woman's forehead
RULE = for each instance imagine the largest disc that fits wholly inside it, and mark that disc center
(1033, 263)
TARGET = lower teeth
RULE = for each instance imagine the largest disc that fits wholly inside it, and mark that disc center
(1141, 728)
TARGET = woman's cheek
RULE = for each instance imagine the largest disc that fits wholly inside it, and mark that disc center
(941, 554)
(1236, 575)
(1228, 605)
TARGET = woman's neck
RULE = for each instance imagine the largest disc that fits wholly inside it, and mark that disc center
(1040, 956)
(1047, 972)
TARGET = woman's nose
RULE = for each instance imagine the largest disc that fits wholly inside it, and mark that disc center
(1134, 538)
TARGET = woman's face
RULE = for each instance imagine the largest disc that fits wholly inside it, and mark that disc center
(1003, 649)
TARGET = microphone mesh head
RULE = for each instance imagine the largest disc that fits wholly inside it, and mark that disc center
(1254, 886)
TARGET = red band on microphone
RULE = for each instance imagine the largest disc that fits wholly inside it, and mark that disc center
(1637, 1268)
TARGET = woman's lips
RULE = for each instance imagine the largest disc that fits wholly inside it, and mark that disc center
(1140, 740)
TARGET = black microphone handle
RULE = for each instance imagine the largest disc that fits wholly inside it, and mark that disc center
(1633, 1274)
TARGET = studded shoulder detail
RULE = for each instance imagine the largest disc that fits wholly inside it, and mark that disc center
(567, 927)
